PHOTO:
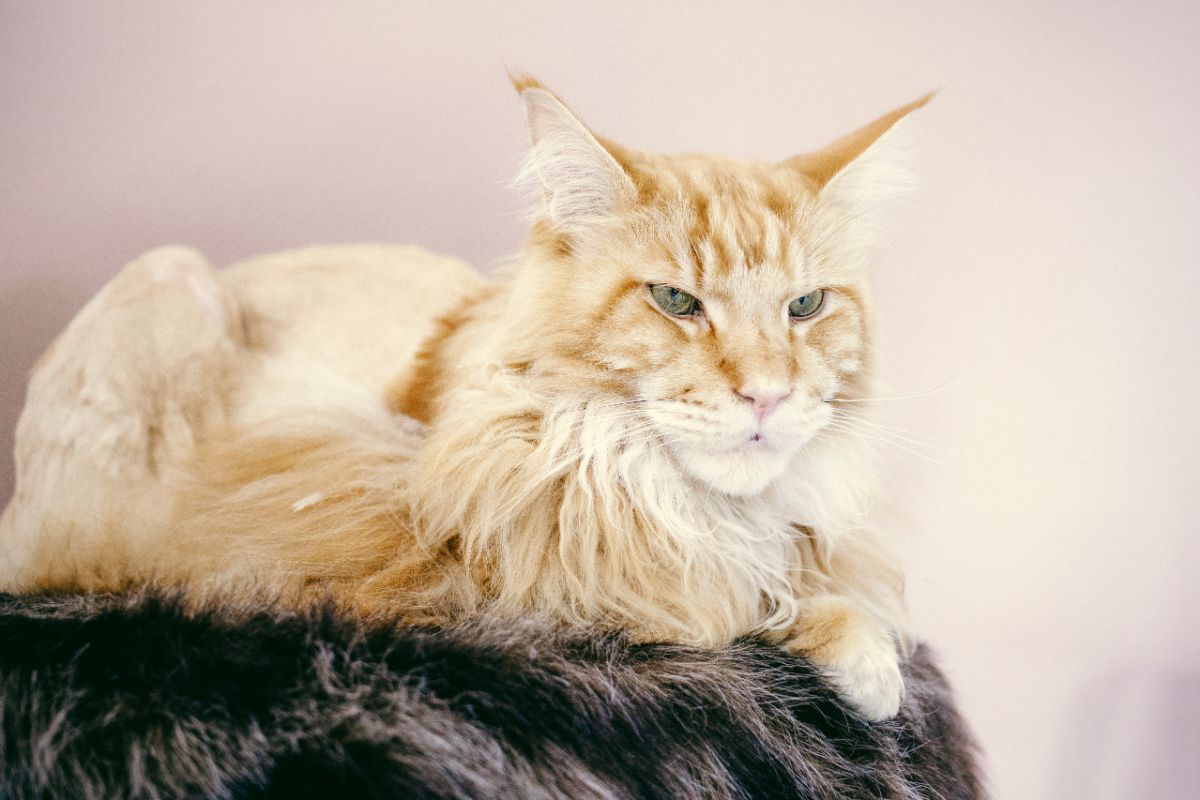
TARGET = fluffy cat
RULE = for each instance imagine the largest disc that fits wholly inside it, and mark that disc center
(649, 423)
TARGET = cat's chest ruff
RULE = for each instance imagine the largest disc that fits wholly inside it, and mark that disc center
(695, 518)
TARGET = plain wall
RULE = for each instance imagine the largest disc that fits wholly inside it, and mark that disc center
(1037, 292)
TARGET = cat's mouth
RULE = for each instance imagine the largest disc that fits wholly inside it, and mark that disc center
(745, 464)
(756, 442)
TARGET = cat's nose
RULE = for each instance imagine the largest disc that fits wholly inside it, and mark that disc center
(765, 398)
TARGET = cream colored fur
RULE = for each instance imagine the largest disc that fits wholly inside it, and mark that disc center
(579, 454)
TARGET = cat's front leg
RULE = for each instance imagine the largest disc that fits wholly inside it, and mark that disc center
(854, 649)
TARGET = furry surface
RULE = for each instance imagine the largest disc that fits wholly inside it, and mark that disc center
(136, 696)
(587, 453)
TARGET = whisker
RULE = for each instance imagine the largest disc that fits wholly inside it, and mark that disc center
(940, 388)
(840, 445)
(912, 437)
(876, 437)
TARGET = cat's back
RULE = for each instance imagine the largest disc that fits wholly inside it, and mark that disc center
(349, 316)
(172, 349)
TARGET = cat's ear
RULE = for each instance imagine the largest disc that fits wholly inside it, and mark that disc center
(861, 171)
(581, 182)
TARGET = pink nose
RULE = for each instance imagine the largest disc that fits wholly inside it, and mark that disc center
(765, 399)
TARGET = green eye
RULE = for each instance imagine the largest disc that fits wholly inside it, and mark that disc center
(675, 302)
(806, 305)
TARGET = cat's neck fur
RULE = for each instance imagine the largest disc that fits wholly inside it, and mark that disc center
(558, 499)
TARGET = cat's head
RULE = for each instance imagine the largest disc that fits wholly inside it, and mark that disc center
(724, 303)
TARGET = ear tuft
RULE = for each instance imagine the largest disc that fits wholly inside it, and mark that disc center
(581, 181)
(523, 80)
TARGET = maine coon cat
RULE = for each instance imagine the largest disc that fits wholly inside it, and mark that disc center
(648, 423)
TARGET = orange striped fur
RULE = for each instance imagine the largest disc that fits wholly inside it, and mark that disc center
(585, 455)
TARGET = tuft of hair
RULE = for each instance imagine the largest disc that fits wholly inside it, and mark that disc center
(523, 80)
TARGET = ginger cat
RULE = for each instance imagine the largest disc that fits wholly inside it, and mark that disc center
(647, 423)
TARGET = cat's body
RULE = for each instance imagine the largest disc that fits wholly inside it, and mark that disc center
(172, 352)
(649, 425)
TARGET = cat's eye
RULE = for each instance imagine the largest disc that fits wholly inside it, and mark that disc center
(674, 301)
(806, 305)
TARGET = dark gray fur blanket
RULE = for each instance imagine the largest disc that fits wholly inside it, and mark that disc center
(134, 696)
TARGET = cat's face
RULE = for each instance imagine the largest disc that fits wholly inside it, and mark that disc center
(722, 317)
(722, 303)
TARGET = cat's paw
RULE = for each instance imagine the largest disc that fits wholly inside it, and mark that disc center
(857, 656)
(869, 680)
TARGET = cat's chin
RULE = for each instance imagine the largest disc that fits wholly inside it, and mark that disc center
(744, 472)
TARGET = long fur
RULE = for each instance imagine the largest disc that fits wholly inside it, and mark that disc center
(108, 696)
(584, 529)
(586, 456)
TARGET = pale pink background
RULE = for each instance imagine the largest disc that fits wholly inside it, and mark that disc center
(1044, 281)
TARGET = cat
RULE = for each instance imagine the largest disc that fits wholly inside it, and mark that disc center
(650, 422)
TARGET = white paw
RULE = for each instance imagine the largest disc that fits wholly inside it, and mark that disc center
(869, 679)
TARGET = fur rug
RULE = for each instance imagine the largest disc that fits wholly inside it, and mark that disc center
(135, 696)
